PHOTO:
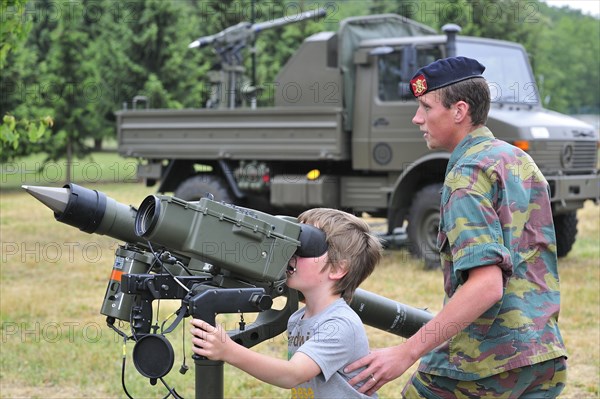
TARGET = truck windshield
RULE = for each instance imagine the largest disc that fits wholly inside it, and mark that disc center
(507, 71)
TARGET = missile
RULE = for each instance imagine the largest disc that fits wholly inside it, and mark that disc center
(53, 197)
(90, 211)
(388, 315)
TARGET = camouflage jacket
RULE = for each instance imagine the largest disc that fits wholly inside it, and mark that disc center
(495, 210)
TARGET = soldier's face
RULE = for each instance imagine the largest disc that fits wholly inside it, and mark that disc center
(436, 122)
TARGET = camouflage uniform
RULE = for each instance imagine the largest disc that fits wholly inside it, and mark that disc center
(496, 211)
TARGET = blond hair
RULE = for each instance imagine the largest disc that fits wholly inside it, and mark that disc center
(351, 245)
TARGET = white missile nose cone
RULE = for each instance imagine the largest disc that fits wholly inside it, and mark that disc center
(54, 198)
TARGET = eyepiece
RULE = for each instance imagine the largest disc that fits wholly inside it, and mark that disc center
(147, 216)
(313, 242)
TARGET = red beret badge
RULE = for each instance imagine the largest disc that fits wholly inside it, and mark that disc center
(419, 85)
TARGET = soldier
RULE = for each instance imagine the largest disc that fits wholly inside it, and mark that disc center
(325, 335)
(497, 334)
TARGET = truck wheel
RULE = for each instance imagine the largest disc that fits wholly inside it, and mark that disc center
(196, 187)
(565, 226)
(423, 225)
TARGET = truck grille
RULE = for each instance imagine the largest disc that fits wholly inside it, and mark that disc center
(570, 157)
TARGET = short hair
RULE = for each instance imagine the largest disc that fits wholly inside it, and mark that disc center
(350, 239)
(474, 92)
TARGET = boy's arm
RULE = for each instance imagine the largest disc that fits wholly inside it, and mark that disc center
(214, 343)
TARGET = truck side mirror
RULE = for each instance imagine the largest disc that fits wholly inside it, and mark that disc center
(404, 91)
(409, 61)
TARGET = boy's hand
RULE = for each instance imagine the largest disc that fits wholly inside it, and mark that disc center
(209, 341)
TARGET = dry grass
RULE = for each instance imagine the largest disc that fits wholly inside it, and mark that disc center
(55, 343)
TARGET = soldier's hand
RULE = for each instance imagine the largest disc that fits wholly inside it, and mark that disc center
(381, 367)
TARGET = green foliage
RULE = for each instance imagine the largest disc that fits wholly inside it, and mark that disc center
(12, 29)
(14, 133)
(82, 60)
(567, 62)
(78, 62)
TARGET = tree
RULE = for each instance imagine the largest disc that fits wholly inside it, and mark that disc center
(16, 129)
(13, 29)
(567, 63)
(82, 60)
(79, 61)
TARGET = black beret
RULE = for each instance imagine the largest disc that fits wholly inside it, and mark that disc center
(444, 72)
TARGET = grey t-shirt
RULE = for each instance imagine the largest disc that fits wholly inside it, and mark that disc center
(333, 338)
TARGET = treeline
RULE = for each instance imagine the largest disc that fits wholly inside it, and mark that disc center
(77, 61)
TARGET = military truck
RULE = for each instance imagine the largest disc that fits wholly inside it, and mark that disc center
(340, 133)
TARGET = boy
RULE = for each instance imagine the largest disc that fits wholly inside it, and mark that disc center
(326, 334)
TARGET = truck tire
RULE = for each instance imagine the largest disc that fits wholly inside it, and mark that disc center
(565, 226)
(196, 187)
(423, 225)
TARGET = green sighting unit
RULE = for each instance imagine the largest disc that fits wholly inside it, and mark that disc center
(249, 243)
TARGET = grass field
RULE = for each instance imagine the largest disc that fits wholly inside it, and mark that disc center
(53, 277)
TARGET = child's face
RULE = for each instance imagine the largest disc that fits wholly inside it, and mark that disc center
(304, 274)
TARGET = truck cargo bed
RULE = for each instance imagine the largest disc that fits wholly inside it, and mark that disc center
(290, 133)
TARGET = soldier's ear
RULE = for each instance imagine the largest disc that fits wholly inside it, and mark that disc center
(461, 111)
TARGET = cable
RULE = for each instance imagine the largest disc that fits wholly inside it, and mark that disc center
(184, 267)
(110, 322)
(167, 270)
(123, 369)
(162, 326)
(172, 391)
(184, 368)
